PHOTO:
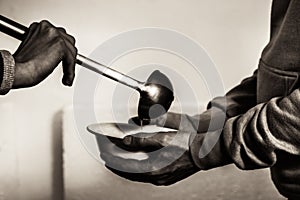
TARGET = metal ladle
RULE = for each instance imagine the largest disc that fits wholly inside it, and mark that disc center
(156, 94)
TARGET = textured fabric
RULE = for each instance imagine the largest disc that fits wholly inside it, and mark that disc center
(1, 68)
(8, 72)
(238, 100)
(263, 126)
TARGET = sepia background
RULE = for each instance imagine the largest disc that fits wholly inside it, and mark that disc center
(40, 153)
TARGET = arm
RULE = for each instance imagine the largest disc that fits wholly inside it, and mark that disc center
(44, 47)
(174, 156)
(251, 140)
(237, 101)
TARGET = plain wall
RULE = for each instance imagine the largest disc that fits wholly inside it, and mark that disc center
(233, 32)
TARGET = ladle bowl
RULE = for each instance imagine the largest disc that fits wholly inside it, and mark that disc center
(156, 96)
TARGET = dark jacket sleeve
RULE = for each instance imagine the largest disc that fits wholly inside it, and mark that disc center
(235, 102)
(238, 100)
(251, 140)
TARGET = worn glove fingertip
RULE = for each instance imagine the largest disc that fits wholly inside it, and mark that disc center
(134, 121)
(67, 81)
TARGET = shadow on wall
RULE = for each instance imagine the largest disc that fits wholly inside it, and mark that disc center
(57, 156)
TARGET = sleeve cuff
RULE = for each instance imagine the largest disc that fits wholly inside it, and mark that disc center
(8, 72)
(208, 151)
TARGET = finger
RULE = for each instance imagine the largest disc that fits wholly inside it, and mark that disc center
(181, 122)
(66, 36)
(130, 176)
(138, 142)
(68, 69)
(169, 120)
(46, 23)
(71, 48)
(69, 53)
(145, 141)
(150, 174)
(177, 170)
(119, 143)
(147, 177)
(69, 40)
(33, 28)
(167, 175)
(69, 62)
(172, 179)
(125, 165)
(62, 30)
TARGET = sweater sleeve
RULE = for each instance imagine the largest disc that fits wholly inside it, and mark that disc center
(1, 69)
(7, 71)
(251, 140)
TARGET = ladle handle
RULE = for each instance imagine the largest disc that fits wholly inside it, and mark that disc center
(18, 31)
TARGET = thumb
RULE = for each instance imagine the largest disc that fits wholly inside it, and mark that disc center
(140, 142)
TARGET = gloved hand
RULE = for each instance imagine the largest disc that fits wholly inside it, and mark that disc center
(168, 159)
(198, 123)
(172, 156)
(44, 47)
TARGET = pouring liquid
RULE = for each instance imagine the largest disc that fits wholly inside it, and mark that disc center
(141, 122)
